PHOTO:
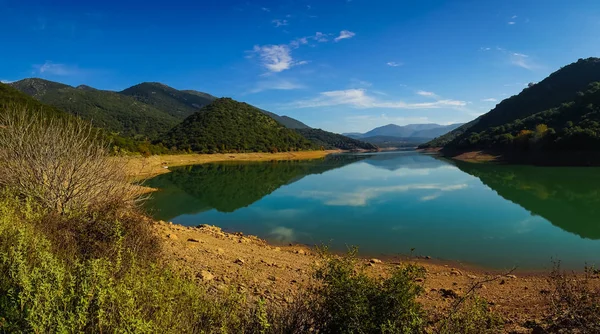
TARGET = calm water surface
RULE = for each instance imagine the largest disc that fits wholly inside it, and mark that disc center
(388, 203)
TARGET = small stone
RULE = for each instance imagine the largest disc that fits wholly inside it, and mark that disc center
(455, 272)
(220, 251)
(370, 264)
(277, 249)
(193, 240)
(502, 282)
(272, 278)
(301, 252)
(172, 236)
(472, 277)
(428, 257)
(448, 293)
(239, 261)
(511, 276)
(205, 276)
(419, 279)
(375, 261)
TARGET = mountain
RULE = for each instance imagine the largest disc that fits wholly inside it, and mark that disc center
(398, 142)
(564, 105)
(286, 121)
(407, 131)
(177, 103)
(105, 109)
(226, 125)
(10, 96)
(329, 140)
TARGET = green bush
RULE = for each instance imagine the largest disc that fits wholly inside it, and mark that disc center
(472, 316)
(350, 301)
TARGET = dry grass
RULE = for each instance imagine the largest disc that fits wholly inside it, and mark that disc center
(139, 167)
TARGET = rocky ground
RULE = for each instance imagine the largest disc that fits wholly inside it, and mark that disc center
(219, 259)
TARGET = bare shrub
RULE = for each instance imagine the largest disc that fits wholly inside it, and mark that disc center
(62, 163)
(574, 303)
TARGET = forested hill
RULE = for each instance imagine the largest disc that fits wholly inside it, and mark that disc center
(329, 140)
(105, 109)
(514, 121)
(177, 103)
(226, 125)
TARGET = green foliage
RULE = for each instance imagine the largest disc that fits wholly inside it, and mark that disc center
(349, 301)
(111, 111)
(473, 316)
(179, 104)
(329, 140)
(230, 126)
(539, 103)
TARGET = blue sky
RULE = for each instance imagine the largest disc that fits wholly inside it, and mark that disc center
(340, 65)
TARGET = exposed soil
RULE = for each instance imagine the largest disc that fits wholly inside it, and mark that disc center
(219, 259)
(143, 167)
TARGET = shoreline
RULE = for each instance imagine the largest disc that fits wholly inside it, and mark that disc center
(220, 259)
(138, 167)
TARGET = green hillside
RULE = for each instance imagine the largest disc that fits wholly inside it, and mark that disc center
(329, 140)
(230, 126)
(12, 96)
(177, 103)
(562, 86)
(108, 110)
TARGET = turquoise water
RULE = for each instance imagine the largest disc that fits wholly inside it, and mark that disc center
(388, 203)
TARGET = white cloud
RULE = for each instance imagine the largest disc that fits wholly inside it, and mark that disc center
(358, 98)
(320, 37)
(6, 81)
(265, 9)
(484, 49)
(275, 85)
(363, 195)
(50, 68)
(276, 58)
(393, 64)
(491, 99)
(280, 23)
(521, 60)
(514, 17)
(512, 22)
(426, 94)
(299, 41)
(344, 34)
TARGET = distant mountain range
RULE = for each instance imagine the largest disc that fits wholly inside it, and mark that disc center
(156, 113)
(393, 135)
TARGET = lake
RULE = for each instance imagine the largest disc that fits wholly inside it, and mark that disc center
(388, 203)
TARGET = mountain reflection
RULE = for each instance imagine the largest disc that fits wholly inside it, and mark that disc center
(227, 187)
(568, 198)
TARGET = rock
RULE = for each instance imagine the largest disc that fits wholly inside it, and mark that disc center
(502, 282)
(272, 278)
(472, 277)
(239, 261)
(193, 240)
(375, 261)
(448, 293)
(301, 252)
(205, 275)
(220, 251)
(419, 279)
(172, 236)
(511, 276)
(370, 264)
(455, 272)
(428, 257)
(277, 249)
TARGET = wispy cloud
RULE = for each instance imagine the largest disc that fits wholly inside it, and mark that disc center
(511, 22)
(50, 68)
(280, 23)
(276, 58)
(265, 9)
(427, 94)
(358, 98)
(393, 64)
(275, 85)
(516, 58)
(344, 34)
(491, 99)
(320, 37)
(362, 196)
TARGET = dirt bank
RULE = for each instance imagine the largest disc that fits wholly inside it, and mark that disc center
(142, 167)
(219, 259)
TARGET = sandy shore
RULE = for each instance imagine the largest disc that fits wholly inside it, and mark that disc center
(141, 167)
(278, 273)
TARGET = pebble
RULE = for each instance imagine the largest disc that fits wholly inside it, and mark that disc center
(239, 261)
(205, 275)
(375, 261)
(172, 236)
(511, 276)
(193, 240)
